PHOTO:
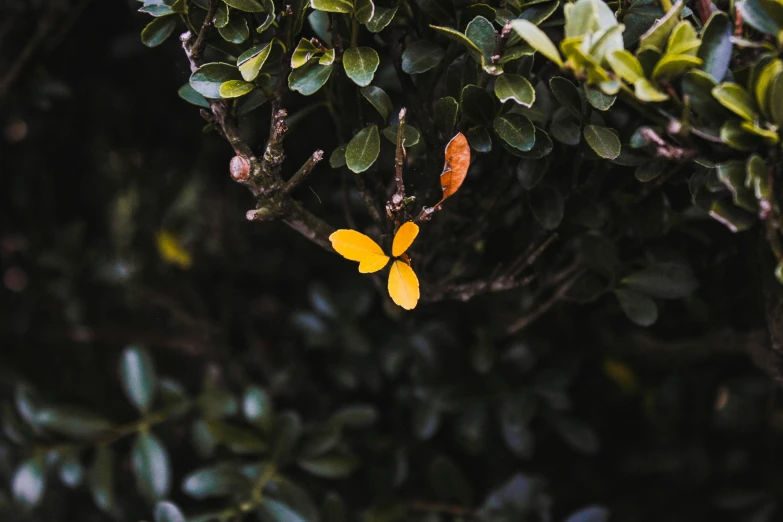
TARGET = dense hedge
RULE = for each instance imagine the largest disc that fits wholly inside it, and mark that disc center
(578, 312)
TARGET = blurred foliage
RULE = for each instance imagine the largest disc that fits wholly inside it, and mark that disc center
(166, 360)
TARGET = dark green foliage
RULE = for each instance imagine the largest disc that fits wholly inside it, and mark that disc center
(591, 298)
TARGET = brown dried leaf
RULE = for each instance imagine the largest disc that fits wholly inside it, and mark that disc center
(456, 166)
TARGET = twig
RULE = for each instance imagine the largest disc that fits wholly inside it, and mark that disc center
(573, 274)
(303, 171)
(201, 41)
(664, 149)
(395, 206)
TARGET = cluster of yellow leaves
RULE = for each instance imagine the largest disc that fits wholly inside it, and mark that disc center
(403, 284)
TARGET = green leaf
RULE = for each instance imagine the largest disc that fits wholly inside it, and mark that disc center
(328, 57)
(216, 481)
(537, 39)
(775, 98)
(637, 307)
(235, 88)
(258, 409)
(477, 105)
(302, 53)
(275, 511)
(515, 415)
(363, 149)
(657, 36)
(735, 98)
(625, 65)
(249, 6)
(158, 31)
(599, 100)
(288, 429)
(735, 219)
(321, 440)
(207, 79)
(337, 158)
(151, 466)
(221, 15)
(547, 205)
(650, 170)
(410, 138)
(168, 512)
(638, 19)
(734, 135)
(356, 416)
(381, 18)
(238, 438)
(236, 30)
(516, 130)
(481, 32)
(251, 61)
(379, 99)
(360, 64)
(251, 102)
(590, 514)
(514, 87)
(603, 141)
(716, 48)
(566, 93)
(365, 9)
(187, 93)
(733, 175)
(479, 139)
(588, 17)
(768, 73)
(29, 483)
(72, 421)
(765, 16)
(421, 56)
(446, 115)
(309, 78)
(530, 171)
(298, 499)
(663, 280)
(138, 377)
(334, 465)
(101, 478)
(71, 470)
(647, 92)
(672, 66)
(332, 6)
(157, 10)
(458, 37)
(565, 127)
(449, 482)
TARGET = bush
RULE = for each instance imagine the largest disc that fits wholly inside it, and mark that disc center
(576, 203)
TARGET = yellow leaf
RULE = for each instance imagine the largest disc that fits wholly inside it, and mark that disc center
(355, 246)
(621, 374)
(403, 285)
(404, 237)
(172, 251)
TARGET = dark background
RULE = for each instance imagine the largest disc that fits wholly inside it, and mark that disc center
(93, 121)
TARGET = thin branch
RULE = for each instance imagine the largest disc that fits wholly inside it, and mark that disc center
(573, 275)
(303, 171)
(198, 47)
